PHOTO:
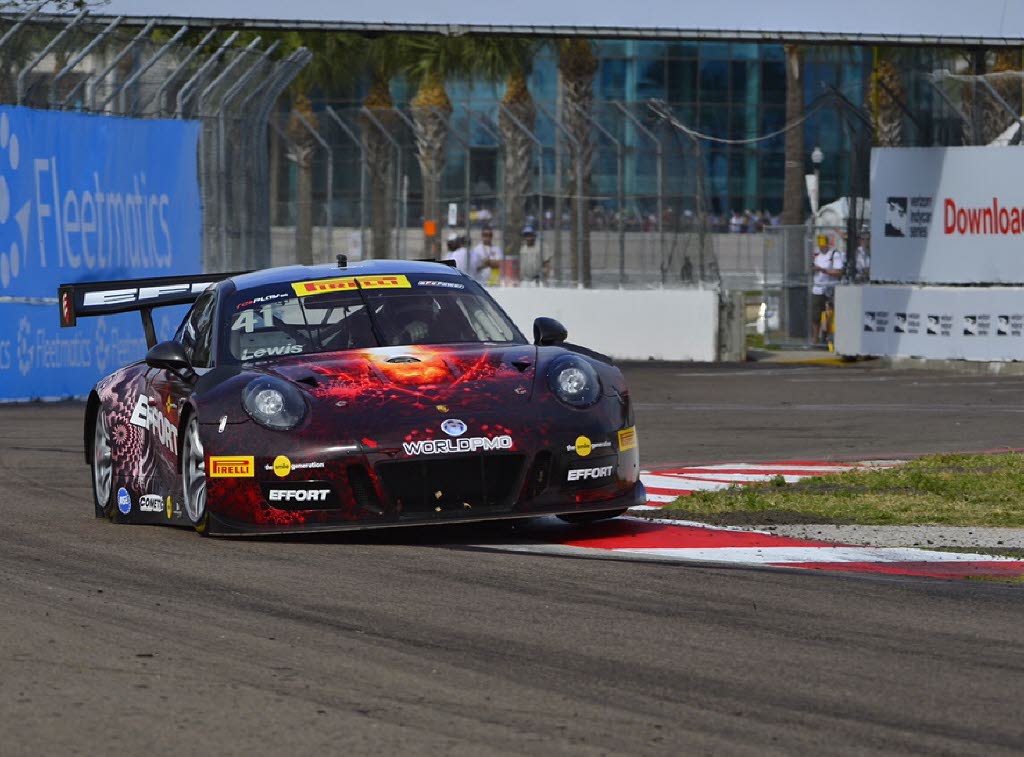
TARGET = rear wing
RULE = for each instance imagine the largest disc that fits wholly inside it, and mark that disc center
(94, 298)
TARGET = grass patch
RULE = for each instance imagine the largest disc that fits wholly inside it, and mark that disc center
(954, 490)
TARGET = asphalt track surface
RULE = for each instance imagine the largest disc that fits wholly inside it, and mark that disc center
(152, 640)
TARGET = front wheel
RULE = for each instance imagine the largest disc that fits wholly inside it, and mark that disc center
(581, 518)
(102, 467)
(193, 476)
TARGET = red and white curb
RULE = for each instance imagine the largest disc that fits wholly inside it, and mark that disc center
(667, 485)
(673, 540)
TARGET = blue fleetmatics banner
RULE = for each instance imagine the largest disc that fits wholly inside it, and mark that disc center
(88, 198)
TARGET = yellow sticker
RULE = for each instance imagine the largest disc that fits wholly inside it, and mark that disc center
(306, 288)
(232, 466)
(170, 509)
(282, 466)
(321, 286)
(583, 446)
(627, 438)
(383, 282)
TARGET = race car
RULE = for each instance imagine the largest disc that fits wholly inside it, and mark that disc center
(382, 393)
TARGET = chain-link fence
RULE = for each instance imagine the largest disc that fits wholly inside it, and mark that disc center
(513, 170)
(207, 75)
(788, 314)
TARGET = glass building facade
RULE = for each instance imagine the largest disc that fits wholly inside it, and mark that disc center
(728, 92)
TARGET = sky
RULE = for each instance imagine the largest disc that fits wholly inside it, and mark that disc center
(899, 19)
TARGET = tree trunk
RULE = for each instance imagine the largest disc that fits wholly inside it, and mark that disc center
(431, 109)
(378, 151)
(302, 156)
(518, 161)
(793, 178)
(578, 64)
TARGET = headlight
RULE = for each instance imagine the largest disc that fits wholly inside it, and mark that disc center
(574, 381)
(274, 403)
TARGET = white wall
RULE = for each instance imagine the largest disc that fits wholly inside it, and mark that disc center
(626, 324)
(946, 323)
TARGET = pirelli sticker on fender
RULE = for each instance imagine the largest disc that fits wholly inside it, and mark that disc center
(322, 286)
(627, 438)
(232, 466)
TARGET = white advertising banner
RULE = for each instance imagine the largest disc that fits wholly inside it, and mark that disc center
(947, 215)
(945, 323)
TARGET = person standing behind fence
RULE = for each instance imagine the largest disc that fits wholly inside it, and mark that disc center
(485, 259)
(862, 261)
(457, 252)
(828, 269)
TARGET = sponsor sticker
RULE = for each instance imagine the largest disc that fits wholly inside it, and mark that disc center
(583, 474)
(124, 501)
(443, 284)
(282, 466)
(453, 427)
(583, 446)
(321, 286)
(463, 444)
(260, 352)
(306, 466)
(627, 438)
(232, 466)
(300, 495)
(151, 503)
(149, 417)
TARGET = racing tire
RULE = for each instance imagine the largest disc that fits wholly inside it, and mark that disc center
(102, 468)
(583, 518)
(193, 478)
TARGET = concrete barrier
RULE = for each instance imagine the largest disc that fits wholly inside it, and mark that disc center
(626, 324)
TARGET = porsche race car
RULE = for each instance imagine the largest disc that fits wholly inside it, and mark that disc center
(384, 393)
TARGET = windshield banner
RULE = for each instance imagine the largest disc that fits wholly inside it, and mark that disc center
(87, 198)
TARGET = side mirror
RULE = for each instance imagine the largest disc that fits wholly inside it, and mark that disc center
(169, 355)
(548, 332)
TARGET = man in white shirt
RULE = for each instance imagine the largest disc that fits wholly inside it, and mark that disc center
(828, 269)
(457, 251)
(485, 259)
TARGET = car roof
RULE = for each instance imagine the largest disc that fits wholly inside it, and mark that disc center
(293, 273)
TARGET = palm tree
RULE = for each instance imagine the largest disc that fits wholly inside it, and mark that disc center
(382, 58)
(511, 59)
(430, 59)
(577, 65)
(328, 70)
(793, 175)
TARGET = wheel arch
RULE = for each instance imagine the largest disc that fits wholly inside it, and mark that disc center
(186, 415)
(92, 407)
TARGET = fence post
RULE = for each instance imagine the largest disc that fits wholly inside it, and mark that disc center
(55, 84)
(158, 95)
(144, 67)
(23, 74)
(579, 189)
(96, 79)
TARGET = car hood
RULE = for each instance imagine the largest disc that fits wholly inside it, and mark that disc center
(500, 374)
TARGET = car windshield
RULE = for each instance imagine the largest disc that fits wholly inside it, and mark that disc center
(358, 312)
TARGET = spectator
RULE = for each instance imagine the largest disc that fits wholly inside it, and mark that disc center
(735, 223)
(457, 251)
(862, 261)
(486, 259)
(828, 269)
(532, 267)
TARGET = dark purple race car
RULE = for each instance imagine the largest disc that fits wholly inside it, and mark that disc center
(326, 398)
